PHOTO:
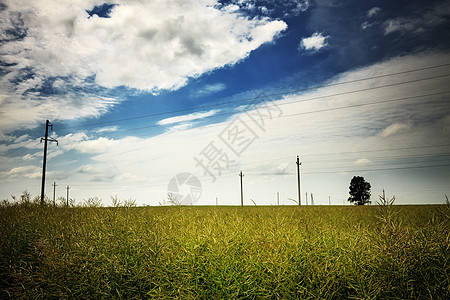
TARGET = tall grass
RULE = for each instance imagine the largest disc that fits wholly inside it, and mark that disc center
(398, 252)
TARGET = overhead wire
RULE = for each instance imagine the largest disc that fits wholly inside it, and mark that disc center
(301, 113)
(264, 95)
(235, 174)
(274, 159)
(21, 148)
(297, 114)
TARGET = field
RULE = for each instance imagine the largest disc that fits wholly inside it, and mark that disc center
(325, 252)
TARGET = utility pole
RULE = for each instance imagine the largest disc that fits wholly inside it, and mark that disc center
(329, 200)
(306, 198)
(44, 164)
(312, 199)
(67, 188)
(54, 192)
(298, 181)
(242, 191)
(278, 198)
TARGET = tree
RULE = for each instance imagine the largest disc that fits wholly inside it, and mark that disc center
(359, 191)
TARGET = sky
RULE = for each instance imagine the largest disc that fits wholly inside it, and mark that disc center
(168, 101)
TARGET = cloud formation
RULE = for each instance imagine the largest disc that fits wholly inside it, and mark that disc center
(148, 45)
(436, 15)
(396, 128)
(373, 11)
(58, 55)
(210, 89)
(313, 43)
(288, 8)
(188, 117)
(332, 120)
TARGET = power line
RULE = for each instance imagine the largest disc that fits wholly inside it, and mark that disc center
(290, 157)
(385, 169)
(290, 92)
(18, 149)
(231, 173)
(323, 110)
(388, 149)
(290, 115)
(297, 114)
(309, 112)
(269, 95)
(353, 170)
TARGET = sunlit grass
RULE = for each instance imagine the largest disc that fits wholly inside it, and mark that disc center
(225, 252)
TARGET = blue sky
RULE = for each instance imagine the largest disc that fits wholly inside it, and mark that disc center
(141, 92)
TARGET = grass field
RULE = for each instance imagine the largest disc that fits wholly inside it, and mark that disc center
(326, 252)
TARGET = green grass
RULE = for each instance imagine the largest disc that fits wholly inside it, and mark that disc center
(328, 252)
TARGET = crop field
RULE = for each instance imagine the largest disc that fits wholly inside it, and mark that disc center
(312, 252)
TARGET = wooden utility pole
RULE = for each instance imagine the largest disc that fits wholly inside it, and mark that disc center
(298, 181)
(54, 192)
(242, 191)
(67, 199)
(278, 198)
(44, 164)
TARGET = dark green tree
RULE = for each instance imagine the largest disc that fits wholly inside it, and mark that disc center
(359, 191)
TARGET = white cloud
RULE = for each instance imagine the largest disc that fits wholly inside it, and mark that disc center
(28, 156)
(108, 129)
(55, 152)
(99, 173)
(340, 134)
(87, 169)
(362, 162)
(157, 159)
(188, 117)
(210, 89)
(373, 11)
(314, 43)
(395, 129)
(434, 16)
(84, 143)
(6, 137)
(231, 8)
(94, 146)
(14, 143)
(147, 45)
(288, 7)
(73, 138)
(31, 172)
(26, 112)
(399, 24)
(283, 168)
(181, 127)
(366, 25)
